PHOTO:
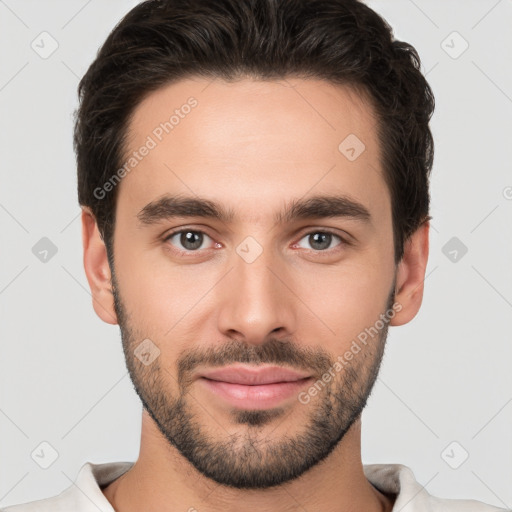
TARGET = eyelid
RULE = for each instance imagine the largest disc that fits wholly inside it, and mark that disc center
(344, 239)
(166, 237)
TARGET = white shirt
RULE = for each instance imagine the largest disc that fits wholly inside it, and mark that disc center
(85, 494)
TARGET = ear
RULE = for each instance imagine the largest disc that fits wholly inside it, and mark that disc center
(97, 268)
(411, 275)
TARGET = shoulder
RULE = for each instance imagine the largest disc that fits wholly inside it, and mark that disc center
(45, 505)
(84, 495)
(411, 496)
(460, 505)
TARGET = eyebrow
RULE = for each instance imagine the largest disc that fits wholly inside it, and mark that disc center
(319, 206)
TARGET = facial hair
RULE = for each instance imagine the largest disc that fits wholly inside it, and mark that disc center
(249, 460)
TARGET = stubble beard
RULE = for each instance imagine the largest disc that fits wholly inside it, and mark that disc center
(252, 459)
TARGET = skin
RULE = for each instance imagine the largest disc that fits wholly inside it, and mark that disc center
(252, 146)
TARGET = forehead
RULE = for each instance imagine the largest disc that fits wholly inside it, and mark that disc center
(252, 139)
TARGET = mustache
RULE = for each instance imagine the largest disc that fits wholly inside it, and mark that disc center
(274, 351)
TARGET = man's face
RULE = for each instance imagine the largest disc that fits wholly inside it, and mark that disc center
(251, 291)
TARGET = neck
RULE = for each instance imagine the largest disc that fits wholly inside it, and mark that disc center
(162, 480)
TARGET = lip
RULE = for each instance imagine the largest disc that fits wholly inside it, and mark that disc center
(254, 375)
(249, 387)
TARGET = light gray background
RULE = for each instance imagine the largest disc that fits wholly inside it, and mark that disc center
(446, 376)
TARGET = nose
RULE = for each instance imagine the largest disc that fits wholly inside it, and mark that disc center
(257, 300)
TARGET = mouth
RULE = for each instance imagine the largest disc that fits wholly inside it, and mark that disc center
(251, 387)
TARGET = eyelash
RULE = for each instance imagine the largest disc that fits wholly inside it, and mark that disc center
(343, 241)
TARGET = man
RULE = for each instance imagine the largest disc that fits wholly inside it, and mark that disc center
(254, 183)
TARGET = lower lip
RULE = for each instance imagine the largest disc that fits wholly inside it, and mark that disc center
(264, 396)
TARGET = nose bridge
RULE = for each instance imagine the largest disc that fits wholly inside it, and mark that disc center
(256, 302)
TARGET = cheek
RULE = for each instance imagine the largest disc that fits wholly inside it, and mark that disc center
(161, 297)
(344, 300)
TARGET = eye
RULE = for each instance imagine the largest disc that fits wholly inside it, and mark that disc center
(191, 240)
(321, 240)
